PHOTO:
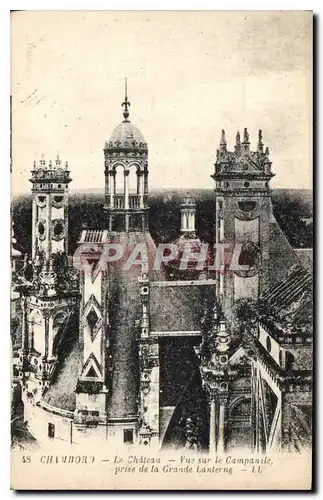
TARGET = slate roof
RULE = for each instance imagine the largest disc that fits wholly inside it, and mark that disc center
(281, 255)
(291, 301)
(178, 308)
(61, 392)
(305, 256)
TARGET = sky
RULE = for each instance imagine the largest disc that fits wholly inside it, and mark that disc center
(190, 74)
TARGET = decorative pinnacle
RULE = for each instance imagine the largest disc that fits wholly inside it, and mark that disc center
(58, 161)
(238, 142)
(260, 143)
(223, 142)
(245, 135)
(42, 159)
(126, 103)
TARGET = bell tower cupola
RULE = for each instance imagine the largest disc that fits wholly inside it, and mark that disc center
(126, 176)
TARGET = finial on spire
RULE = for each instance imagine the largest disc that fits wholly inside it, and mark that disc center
(66, 164)
(42, 159)
(126, 103)
(260, 143)
(223, 142)
(238, 142)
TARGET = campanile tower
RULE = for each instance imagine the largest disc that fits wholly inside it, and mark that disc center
(52, 300)
(243, 214)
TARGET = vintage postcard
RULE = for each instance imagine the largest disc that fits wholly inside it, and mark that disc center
(161, 295)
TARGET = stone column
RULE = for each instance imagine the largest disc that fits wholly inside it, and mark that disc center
(25, 333)
(182, 221)
(212, 429)
(34, 222)
(257, 413)
(50, 337)
(126, 189)
(141, 189)
(46, 331)
(112, 174)
(107, 187)
(192, 221)
(221, 432)
(146, 181)
(138, 180)
(48, 228)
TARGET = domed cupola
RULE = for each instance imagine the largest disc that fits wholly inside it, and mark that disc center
(126, 151)
(126, 138)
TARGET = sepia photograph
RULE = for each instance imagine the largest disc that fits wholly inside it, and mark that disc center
(161, 250)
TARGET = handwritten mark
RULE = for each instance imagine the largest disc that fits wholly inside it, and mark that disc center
(29, 96)
(39, 100)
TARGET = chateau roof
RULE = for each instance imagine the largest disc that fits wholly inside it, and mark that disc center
(178, 307)
(289, 305)
(305, 255)
(61, 391)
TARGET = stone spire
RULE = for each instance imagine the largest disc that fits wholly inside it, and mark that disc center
(223, 142)
(246, 143)
(238, 142)
(260, 145)
(58, 160)
(126, 104)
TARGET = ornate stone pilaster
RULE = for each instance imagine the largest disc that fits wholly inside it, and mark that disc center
(146, 180)
(46, 330)
(149, 372)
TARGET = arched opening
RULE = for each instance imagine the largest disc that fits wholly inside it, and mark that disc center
(132, 179)
(247, 206)
(119, 180)
(247, 258)
(289, 361)
(240, 432)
